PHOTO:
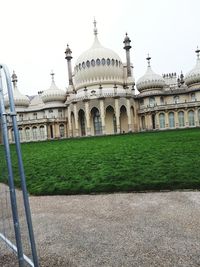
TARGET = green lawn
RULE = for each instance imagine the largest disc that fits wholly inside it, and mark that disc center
(133, 162)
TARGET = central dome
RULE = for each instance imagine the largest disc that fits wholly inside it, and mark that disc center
(98, 65)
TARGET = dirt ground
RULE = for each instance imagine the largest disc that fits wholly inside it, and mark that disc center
(134, 229)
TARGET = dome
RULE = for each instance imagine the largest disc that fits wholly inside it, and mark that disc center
(150, 80)
(53, 94)
(98, 65)
(20, 100)
(193, 76)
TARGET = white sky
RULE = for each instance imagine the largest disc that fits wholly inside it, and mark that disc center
(34, 35)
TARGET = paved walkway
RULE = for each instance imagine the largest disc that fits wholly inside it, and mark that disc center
(135, 229)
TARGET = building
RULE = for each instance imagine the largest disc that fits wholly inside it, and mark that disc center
(101, 99)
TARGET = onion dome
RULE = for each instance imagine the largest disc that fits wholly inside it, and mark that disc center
(20, 100)
(53, 94)
(98, 65)
(193, 77)
(150, 80)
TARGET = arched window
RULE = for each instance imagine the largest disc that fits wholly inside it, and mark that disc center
(116, 62)
(83, 65)
(98, 62)
(181, 119)
(113, 62)
(191, 118)
(162, 120)
(20, 134)
(97, 122)
(171, 120)
(151, 101)
(81, 115)
(103, 61)
(88, 63)
(42, 134)
(108, 61)
(79, 66)
(93, 62)
(143, 123)
(34, 130)
(62, 130)
(27, 133)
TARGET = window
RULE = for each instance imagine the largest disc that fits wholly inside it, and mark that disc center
(83, 65)
(60, 113)
(176, 99)
(97, 123)
(103, 61)
(79, 66)
(161, 100)
(20, 134)
(98, 62)
(93, 62)
(113, 62)
(143, 122)
(171, 120)
(108, 61)
(20, 117)
(42, 133)
(27, 133)
(62, 130)
(35, 116)
(181, 119)
(162, 120)
(50, 110)
(34, 129)
(193, 97)
(151, 101)
(141, 101)
(116, 62)
(191, 118)
(88, 63)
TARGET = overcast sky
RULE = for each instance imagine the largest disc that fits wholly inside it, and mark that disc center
(34, 35)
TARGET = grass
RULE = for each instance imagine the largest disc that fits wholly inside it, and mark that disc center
(133, 162)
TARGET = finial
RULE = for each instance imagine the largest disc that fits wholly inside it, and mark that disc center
(14, 79)
(95, 27)
(148, 60)
(197, 51)
(52, 75)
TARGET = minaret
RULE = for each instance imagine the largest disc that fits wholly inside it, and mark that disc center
(68, 57)
(14, 79)
(127, 47)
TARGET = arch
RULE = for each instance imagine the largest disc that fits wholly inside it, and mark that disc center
(81, 122)
(20, 134)
(62, 130)
(34, 132)
(162, 120)
(27, 133)
(191, 118)
(96, 121)
(181, 119)
(153, 121)
(143, 123)
(123, 120)
(110, 121)
(171, 120)
(42, 132)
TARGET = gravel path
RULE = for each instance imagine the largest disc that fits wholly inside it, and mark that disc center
(135, 229)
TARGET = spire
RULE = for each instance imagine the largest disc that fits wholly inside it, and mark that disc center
(14, 79)
(198, 51)
(52, 76)
(127, 42)
(68, 53)
(95, 27)
(148, 60)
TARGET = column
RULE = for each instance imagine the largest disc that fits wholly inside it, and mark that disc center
(102, 114)
(176, 119)
(87, 116)
(69, 121)
(76, 120)
(129, 114)
(117, 114)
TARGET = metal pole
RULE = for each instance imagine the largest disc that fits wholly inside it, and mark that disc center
(21, 167)
(10, 177)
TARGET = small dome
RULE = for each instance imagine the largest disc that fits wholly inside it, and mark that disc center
(97, 65)
(20, 100)
(150, 80)
(53, 94)
(193, 76)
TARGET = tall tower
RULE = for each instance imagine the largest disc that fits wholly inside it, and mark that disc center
(68, 57)
(127, 47)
